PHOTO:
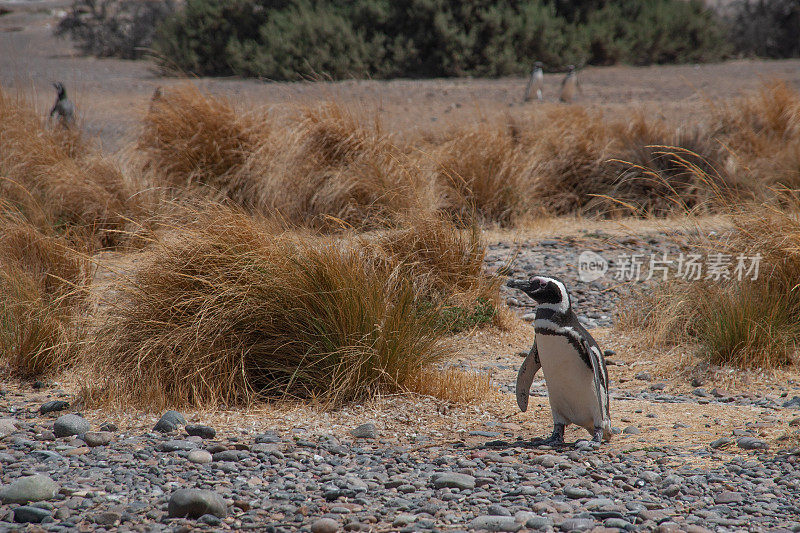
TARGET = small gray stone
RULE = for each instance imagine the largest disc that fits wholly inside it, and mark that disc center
(618, 523)
(498, 510)
(539, 522)
(751, 443)
(199, 430)
(719, 443)
(454, 480)
(364, 431)
(577, 524)
(325, 525)
(169, 422)
(176, 445)
(199, 456)
(53, 406)
(97, 438)
(231, 456)
(209, 520)
(194, 503)
(794, 402)
(495, 523)
(67, 425)
(577, 493)
(107, 519)
(29, 514)
(631, 430)
(644, 376)
(29, 489)
(7, 426)
(728, 497)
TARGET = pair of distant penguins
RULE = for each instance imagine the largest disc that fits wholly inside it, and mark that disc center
(573, 364)
(569, 85)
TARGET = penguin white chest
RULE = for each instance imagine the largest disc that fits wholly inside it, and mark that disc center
(570, 382)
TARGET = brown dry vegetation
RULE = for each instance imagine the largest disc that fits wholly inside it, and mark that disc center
(229, 308)
(54, 173)
(343, 254)
(743, 322)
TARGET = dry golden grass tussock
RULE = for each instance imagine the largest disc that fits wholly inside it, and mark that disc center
(228, 310)
(194, 139)
(338, 170)
(762, 131)
(42, 295)
(743, 322)
(451, 384)
(52, 173)
(485, 174)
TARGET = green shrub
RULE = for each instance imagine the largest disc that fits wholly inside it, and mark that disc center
(766, 28)
(292, 39)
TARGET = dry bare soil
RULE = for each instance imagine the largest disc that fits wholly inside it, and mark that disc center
(671, 405)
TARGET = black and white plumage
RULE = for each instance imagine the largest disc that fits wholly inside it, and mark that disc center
(63, 107)
(535, 83)
(573, 364)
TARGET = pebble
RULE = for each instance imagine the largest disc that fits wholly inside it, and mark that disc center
(29, 489)
(751, 443)
(7, 426)
(495, 523)
(53, 406)
(199, 456)
(577, 524)
(325, 525)
(728, 497)
(454, 480)
(30, 514)
(97, 438)
(199, 430)
(643, 376)
(194, 503)
(68, 425)
(631, 430)
(169, 422)
(364, 431)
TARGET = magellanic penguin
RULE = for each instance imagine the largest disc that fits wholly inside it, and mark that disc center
(569, 85)
(536, 82)
(63, 107)
(573, 364)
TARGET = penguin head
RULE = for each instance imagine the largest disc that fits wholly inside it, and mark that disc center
(571, 68)
(538, 64)
(60, 89)
(547, 291)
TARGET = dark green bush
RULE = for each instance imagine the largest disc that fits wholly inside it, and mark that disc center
(766, 28)
(292, 39)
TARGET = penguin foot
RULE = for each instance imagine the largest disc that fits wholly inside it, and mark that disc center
(555, 440)
(598, 435)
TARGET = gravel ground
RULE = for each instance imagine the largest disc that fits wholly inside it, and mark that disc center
(67, 473)
(271, 482)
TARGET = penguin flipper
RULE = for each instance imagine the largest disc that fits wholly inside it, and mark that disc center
(527, 371)
(600, 383)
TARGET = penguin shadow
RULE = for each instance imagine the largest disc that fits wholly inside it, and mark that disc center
(537, 443)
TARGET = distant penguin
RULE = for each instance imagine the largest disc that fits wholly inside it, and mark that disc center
(573, 364)
(63, 107)
(535, 83)
(569, 85)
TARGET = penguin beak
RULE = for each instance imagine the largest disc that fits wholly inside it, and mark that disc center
(522, 284)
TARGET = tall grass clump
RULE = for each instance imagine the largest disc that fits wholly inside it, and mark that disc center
(737, 320)
(54, 172)
(762, 131)
(340, 170)
(192, 139)
(42, 296)
(228, 309)
(484, 175)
